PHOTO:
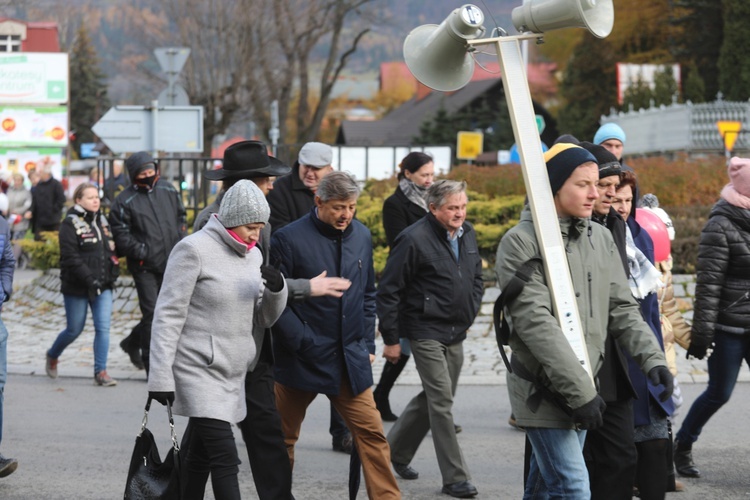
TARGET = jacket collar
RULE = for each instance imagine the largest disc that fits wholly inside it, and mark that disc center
(440, 230)
(219, 232)
(328, 230)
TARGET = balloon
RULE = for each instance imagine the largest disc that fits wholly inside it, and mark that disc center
(655, 228)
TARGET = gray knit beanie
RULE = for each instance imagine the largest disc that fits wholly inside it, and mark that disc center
(244, 203)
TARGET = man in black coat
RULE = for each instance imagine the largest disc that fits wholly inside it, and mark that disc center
(147, 220)
(48, 199)
(430, 293)
(610, 451)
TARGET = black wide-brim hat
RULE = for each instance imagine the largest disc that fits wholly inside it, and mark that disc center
(247, 160)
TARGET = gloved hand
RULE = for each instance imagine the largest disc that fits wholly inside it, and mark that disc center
(274, 278)
(696, 351)
(162, 397)
(589, 416)
(661, 375)
(95, 289)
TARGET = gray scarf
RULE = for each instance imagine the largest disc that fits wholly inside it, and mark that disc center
(414, 193)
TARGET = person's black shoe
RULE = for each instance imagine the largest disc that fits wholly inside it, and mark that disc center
(134, 353)
(461, 489)
(405, 471)
(7, 466)
(457, 428)
(683, 460)
(343, 444)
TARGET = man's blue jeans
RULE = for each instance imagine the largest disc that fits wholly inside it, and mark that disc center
(557, 468)
(3, 370)
(723, 367)
(76, 308)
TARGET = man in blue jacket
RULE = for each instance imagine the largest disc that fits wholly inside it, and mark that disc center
(326, 345)
(430, 293)
(7, 266)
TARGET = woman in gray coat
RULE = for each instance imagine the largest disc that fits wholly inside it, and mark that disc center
(202, 343)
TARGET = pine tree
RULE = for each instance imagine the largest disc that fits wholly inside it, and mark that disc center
(694, 88)
(589, 88)
(699, 40)
(734, 58)
(638, 95)
(665, 86)
(88, 91)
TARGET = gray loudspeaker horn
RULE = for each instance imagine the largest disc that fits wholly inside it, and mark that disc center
(539, 16)
(438, 56)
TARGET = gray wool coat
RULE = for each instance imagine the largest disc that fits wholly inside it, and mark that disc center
(202, 334)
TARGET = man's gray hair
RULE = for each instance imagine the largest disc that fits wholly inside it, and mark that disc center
(337, 186)
(442, 190)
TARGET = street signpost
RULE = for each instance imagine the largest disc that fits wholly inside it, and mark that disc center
(173, 129)
(171, 60)
(469, 145)
(729, 131)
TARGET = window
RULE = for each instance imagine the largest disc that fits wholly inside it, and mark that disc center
(10, 43)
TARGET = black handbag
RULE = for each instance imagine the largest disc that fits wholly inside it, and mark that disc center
(150, 478)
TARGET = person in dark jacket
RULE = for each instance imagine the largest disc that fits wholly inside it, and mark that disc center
(650, 415)
(148, 219)
(430, 292)
(400, 210)
(610, 451)
(48, 199)
(88, 270)
(7, 267)
(292, 197)
(326, 345)
(721, 312)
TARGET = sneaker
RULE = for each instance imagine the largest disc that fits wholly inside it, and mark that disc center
(105, 380)
(7, 466)
(50, 367)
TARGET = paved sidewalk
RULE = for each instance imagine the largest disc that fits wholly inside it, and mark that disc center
(33, 323)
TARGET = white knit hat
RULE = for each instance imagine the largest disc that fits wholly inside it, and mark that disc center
(244, 203)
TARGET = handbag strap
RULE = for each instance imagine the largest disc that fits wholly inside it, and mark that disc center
(172, 432)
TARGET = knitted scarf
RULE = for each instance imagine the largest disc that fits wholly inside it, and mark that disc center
(414, 193)
(643, 277)
(734, 197)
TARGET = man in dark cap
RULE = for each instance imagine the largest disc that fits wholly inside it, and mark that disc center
(261, 429)
(147, 220)
(552, 395)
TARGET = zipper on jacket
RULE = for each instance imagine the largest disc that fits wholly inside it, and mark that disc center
(591, 298)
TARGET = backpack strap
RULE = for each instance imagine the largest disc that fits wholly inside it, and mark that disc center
(508, 295)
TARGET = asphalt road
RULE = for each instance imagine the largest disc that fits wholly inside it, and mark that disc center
(73, 441)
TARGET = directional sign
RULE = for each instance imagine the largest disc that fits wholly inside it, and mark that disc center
(179, 129)
(470, 145)
(729, 131)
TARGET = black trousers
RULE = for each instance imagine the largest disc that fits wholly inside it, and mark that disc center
(208, 447)
(263, 436)
(147, 284)
(610, 454)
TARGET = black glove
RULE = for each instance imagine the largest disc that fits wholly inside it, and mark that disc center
(162, 397)
(696, 351)
(589, 416)
(274, 278)
(661, 375)
(95, 289)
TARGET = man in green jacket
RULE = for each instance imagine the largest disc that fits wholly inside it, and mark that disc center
(551, 394)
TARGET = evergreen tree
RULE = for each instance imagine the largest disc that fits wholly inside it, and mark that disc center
(638, 95)
(88, 90)
(699, 40)
(694, 88)
(734, 58)
(665, 86)
(589, 87)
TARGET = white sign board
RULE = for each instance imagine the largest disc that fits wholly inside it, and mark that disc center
(382, 162)
(34, 126)
(22, 160)
(33, 78)
(629, 75)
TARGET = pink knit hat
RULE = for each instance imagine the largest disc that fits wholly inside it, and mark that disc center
(739, 175)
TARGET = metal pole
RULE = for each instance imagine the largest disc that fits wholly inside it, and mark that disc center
(538, 189)
(155, 128)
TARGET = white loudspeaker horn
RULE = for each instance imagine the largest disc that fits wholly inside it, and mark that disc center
(438, 56)
(539, 16)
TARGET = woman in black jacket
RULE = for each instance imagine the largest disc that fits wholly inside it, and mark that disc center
(400, 210)
(721, 313)
(88, 270)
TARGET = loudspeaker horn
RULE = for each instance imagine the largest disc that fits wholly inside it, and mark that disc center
(438, 56)
(539, 16)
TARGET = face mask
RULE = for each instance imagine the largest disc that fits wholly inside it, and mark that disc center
(147, 182)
